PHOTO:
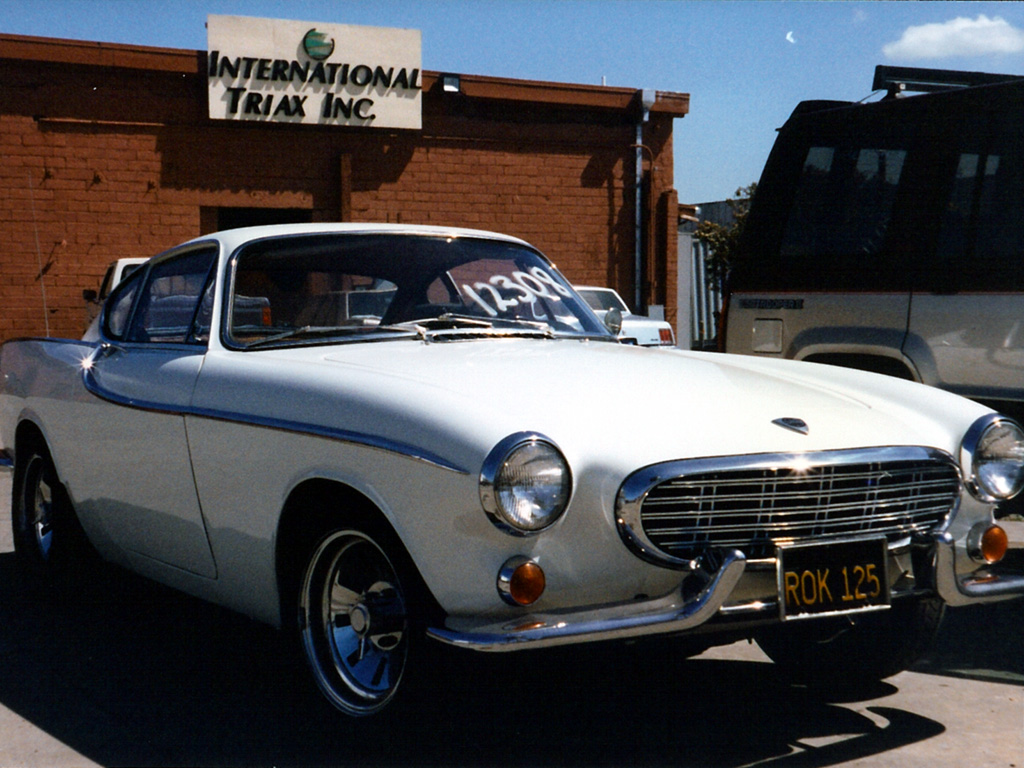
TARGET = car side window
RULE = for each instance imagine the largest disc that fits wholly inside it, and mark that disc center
(204, 317)
(119, 307)
(171, 301)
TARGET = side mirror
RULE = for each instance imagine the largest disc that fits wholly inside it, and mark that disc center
(613, 320)
(90, 295)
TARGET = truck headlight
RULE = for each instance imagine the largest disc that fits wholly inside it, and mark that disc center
(525, 484)
(994, 446)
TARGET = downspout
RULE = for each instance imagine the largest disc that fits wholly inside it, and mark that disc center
(647, 98)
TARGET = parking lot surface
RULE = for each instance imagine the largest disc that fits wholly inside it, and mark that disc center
(116, 671)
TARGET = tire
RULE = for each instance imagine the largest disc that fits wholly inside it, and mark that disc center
(47, 536)
(357, 620)
(857, 653)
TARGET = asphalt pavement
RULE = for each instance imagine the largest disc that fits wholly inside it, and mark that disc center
(117, 671)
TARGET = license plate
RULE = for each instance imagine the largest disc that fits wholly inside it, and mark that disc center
(837, 577)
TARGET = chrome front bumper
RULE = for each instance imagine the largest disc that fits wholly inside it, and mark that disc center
(675, 613)
(672, 613)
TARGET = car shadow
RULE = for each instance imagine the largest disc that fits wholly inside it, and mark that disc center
(126, 672)
(979, 642)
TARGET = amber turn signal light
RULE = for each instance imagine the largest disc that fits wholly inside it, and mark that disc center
(520, 581)
(987, 543)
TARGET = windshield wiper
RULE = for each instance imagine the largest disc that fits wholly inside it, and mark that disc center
(317, 330)
(449, 321)
(452, 326)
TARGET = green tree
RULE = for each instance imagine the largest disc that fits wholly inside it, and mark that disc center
(722, 240)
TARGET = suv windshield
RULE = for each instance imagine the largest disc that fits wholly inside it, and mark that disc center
(330, 287)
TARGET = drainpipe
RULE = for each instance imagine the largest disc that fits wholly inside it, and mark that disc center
(647, 98)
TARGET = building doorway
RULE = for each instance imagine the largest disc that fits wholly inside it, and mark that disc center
(217, 219)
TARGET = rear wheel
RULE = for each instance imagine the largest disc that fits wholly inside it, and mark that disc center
(355, 621)
(47, 537)
(858, 652)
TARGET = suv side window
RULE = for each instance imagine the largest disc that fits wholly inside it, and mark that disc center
(841, 212)
(171, 303)
(982, 232)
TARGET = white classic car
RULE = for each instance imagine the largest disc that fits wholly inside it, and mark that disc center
(380, 437)
(638, 329)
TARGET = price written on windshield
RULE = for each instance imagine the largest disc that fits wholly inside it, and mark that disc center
(503, 292)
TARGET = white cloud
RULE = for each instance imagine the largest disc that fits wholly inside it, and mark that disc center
(958, 37)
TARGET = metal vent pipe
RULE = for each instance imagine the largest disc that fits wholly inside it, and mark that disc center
(647, 98)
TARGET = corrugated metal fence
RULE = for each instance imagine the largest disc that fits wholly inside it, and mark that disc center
(705, 301)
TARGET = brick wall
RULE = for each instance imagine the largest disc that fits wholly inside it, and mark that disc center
(98, 163)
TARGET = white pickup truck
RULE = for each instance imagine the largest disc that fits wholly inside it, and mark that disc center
(647, 331)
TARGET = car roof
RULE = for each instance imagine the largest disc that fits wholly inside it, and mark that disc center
(233, 238)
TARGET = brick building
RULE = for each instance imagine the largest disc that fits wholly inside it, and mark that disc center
(108, 151)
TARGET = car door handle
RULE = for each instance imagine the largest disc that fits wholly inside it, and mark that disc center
(108, 349)
(105, 350)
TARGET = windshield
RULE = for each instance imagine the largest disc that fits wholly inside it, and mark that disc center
(330, 287)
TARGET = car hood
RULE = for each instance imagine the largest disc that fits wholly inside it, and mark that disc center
(603, 401)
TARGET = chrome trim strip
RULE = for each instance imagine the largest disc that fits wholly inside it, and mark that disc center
(637, 486)
(672, 613)
(282, 425)
(969, 589)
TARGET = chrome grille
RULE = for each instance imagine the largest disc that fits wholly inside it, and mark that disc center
(754, 506)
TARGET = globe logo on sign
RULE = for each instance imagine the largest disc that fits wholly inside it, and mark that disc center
(317, 45)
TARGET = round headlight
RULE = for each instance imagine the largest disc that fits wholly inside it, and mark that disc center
(996, 448)
(525, 484)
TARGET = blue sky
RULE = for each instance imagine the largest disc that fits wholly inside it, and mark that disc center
(744, 64)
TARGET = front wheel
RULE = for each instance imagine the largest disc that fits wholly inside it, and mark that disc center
(355, 622)
(856, 652)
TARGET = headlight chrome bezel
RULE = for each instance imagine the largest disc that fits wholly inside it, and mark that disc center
(494, 482)
(977, 457)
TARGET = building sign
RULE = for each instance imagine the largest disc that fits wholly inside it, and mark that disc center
(275, 71)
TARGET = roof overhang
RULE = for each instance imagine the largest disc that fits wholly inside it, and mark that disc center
(190, 62)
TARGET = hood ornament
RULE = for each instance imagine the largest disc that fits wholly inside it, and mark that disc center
(796, 425)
